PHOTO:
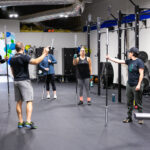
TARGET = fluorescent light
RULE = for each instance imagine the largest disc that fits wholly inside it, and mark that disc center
(16, 15)
(13, 15)
(10, 15)
(61, 16)
(66, 16)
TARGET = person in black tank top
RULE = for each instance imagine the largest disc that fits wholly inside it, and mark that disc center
(84, 70)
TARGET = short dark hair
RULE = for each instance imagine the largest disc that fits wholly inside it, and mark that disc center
(135, 54)
(19, 46)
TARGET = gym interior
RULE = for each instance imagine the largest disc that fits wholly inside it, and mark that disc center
(103, 27)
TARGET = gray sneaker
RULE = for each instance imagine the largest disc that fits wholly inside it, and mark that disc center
(140, 122)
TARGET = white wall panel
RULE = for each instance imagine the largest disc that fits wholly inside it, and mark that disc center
(61, 40)
(10, 25)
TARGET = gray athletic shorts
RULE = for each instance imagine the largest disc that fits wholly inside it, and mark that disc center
(23, 90)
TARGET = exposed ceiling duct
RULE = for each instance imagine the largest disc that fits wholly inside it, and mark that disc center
(76, 8)
(4, 3)
(71, 11)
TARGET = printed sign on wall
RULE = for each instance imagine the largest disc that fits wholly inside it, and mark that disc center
(10, 43)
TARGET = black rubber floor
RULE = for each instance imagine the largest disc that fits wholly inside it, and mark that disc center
(62, 125)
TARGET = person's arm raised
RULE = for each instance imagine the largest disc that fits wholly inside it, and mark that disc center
(75, 61)
(119, 61)
(35, 61)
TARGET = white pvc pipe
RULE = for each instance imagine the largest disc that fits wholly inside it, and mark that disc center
(142, 116)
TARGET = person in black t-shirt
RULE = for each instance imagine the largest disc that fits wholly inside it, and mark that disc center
(84, 70)
(134, 86)
(22, 85)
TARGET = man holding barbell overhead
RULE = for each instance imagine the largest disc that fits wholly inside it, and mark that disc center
(22, 84)
(134, 86)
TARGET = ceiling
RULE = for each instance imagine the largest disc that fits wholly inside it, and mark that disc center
(46, 12)
(27, 10)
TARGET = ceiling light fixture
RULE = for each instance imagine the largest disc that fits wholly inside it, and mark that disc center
(10, 15)
(16, 15)
(66, 16)
(61, 16)
(13, 15)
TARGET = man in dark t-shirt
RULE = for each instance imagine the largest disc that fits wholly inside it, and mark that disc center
(19, 63)
(134, 86)
(22, 84)
(133, 71)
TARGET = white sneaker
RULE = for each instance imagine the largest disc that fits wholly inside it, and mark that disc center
(55, 96)
(48, 96)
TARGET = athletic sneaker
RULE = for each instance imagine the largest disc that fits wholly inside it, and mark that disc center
(48, 96)
(80, 103)
(55, 96)
(30, 125)
(140, 121)
(127, 120)
(21, 125)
